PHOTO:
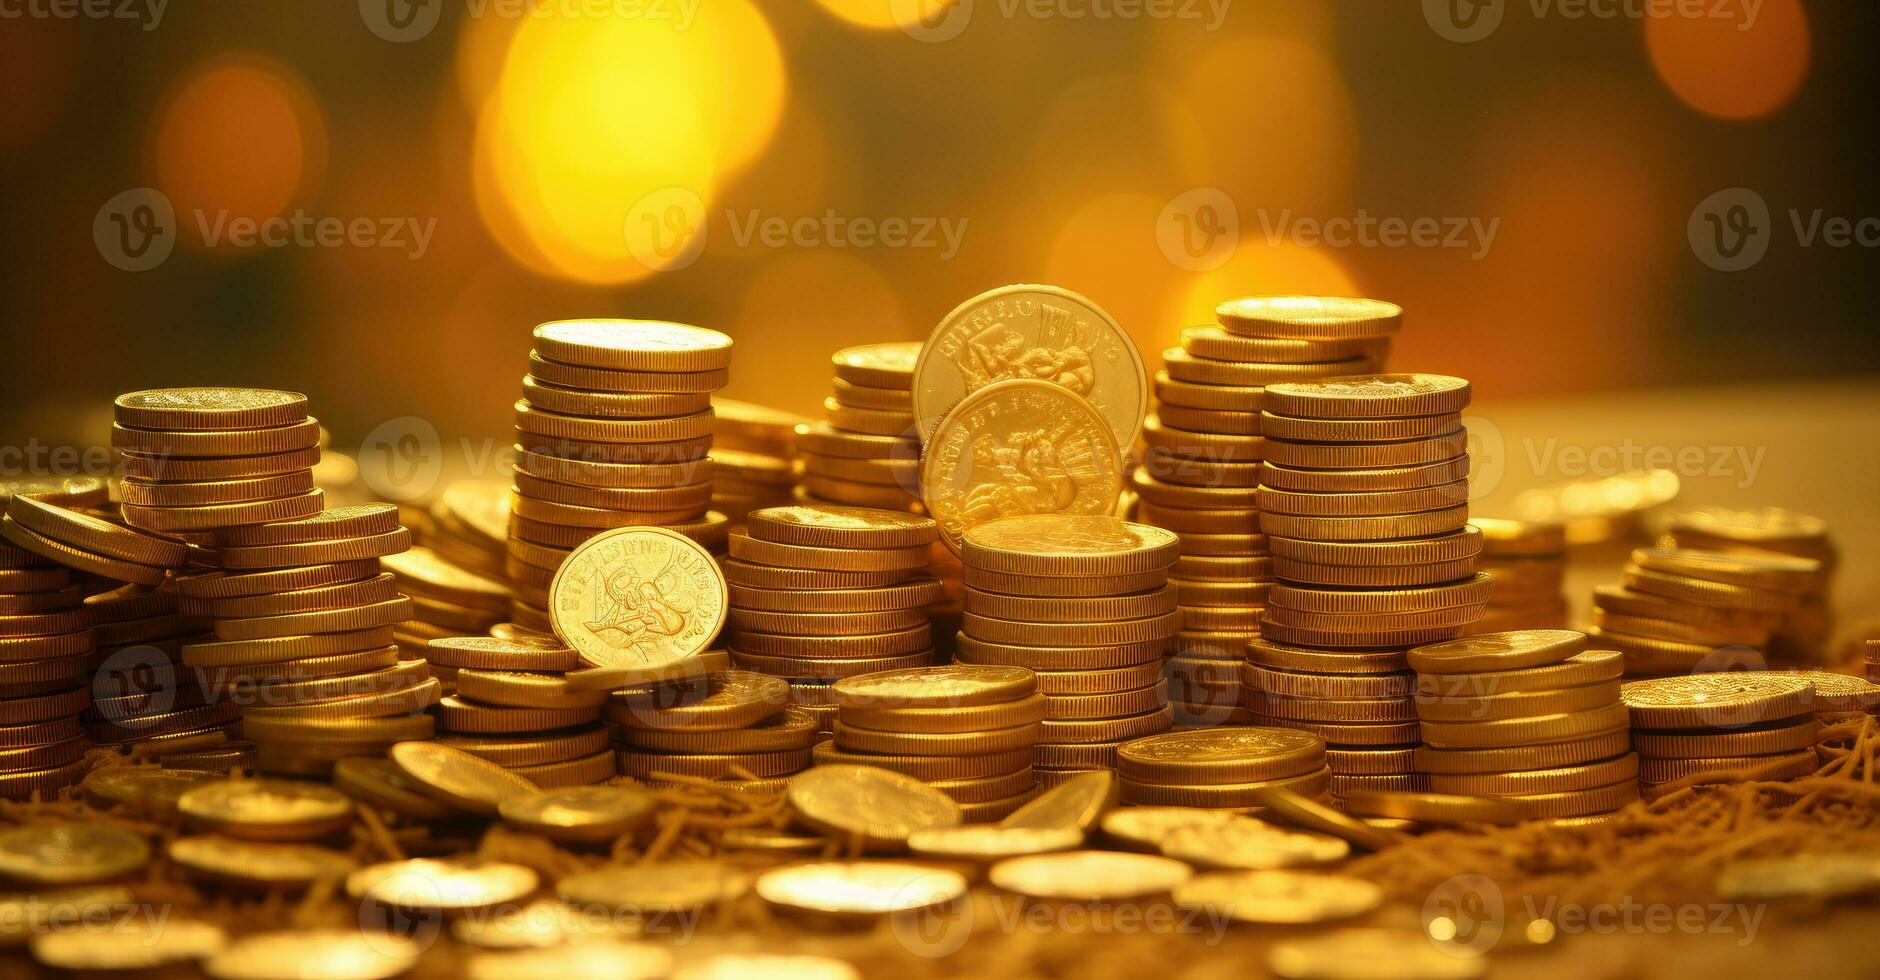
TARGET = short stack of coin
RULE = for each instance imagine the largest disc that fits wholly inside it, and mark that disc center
(1720, 723)
(469, 526)
(967, 730)
(1359, 702)
(513, 705)
(1803, 636)
(1221, 768)
(822, 592)
(1683, 607)
(1530, 716)
(144, 700)
(722, 725)
(446, 600)
(753, 457)
(866, 451)
(199, 459)
(613, 430)
(1527, 561)
(1084, 602)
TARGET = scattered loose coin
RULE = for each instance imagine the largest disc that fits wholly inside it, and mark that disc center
(860, 887)
(670, 886)
(879, 807)
(1248, 844)
(328, 954)
(581, 814)
(1373, 954)
(1289, 807)
(1090, 876)
(983, 843)
(1220, 755)
(1279, 897)
(449, 885)
(459, 778)
(600, 957)
(266, 809)
(232, 860)
(129, 942)
(45, 853)
(1077, 803)
(741, 966)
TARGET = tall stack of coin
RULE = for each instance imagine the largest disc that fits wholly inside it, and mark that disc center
(1722, 722)
(1530, 716)
(865, 452)
(1683, 607)
(446, 600)
(823, 592)
(1358, 701)
(1084, 602)
(1201, 463)
(613, 430)
(470, 526)
(1527, 561)
(966, 730)
(726, 724)
(1221, 768)
(199, 459)
(1803, 636)
(512, 704)
(753, 457)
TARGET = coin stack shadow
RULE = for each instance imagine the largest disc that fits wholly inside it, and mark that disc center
(1363, 498)
(1202, 455)
(723, 725)
(979, 755)
(1681, 733)
(446, 601)
(511, 704)
(1527, 561)
(867, 452)
(613, 429)
(753, 457)
(1681, 608)
(1160, 770)
(1092, 623)
(815, 595)
(1802, 638)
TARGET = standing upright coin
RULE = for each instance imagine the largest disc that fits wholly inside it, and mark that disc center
(1043, 333)
(1016, 448)
(638, 597)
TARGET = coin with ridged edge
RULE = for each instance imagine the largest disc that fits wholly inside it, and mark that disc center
(1220, 755)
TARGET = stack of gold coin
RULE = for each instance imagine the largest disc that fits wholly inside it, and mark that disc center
(723, 725)
(469, 526)
(1684, 607)
(512, 704)
(144, 699)
(1527, 561)
(1530, 716)
(866, 451)
(1803, 635)
(1221, 768)
(43, 675)
(1201, 463)
(966, 730)
(1871, 655)
(1721, 723)
(1083, 601)
(199, 459)
(753, 457)
(613, 429)
(77, 530)
(446, 600)
(1358, 701)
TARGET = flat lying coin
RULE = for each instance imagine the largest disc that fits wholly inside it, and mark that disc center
(230, 860)
(1279, 897)
(860, 887)
(426, 883)
(266, 809)
(69, 853)
(139, 942)
(673, 886)
(581, 814)
(1497, 651)
(329, 954)
(771, 966)
(1247, 844)
(945, 686)
(1144, 828)
(1090, 876)
(611, 958)
(982, 843)
(1726, 699)
(1372, 954)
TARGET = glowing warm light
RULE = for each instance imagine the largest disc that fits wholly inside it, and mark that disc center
(482, 46)
(241, 135)
(800, 307)
(1107, 250)
(885, 15)
(595, 116)
(36, 71)
(1733, 67)
(1110, 131)
(1257, 268)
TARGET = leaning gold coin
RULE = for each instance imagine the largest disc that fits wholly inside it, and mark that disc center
(1076, 803)
(1497, 651)
(860, 887)
(459, 778)
(1279, 897)
(427, 883)
(879, 807)
(1090, 876)
(1437, 808)
(129, 942)
(1373, 954)
(983, 843)
(581, 814)
(70, 853)
(672, 886)
(330, 954)
(230, 860)
(638, 597)
(1289, 807)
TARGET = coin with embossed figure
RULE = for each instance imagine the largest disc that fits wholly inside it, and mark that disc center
(638, 597)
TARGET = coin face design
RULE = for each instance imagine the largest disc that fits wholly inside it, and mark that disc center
(1038, 333)
(1018, 448)
(638, 597)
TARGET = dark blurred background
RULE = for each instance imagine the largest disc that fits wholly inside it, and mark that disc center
(1158, 156)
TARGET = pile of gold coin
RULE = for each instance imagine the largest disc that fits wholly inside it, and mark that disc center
(468, 526)
(1084, 602)
(1221, 768)
(1527, 716)
(1802, 637)
(511, 704)
(1684, 607)
(1722, 722)
(613, 430)
(1202, 462)
(723, 725)
(143, 700)
(199, 459)
(822, 592)
(966, 730)
(753, 457)
(1359, 702)
(446, 600)
(866, 451)
(1527, 561)
(45, 652)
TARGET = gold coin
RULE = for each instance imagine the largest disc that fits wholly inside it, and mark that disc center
(982, 843)
(1247, 844)
(1388, 527)
(1679, 632)
(829, 668)
(77, 558)
(879, 808)
(860, 888)
(638, 597)
(210, 517)
(597, 957)
(1206, 420)
(1694, 590)
(1549, 755)
(1570, 804)
(266, 809)
(949, 686)
(1786, 736)
(896, 643)
(1166, 439)
(459, 778)
(1369, 503)
(972, 742)
(1075, 804)
(140, 788)
(879, 422)
(633, 345)
(1364, 480)
(1754, 526)
(903, 474)
(216, 442)
(1323, 318)
(944, 720)
(1464, 544)
(1510, 538)
(842, 527)
(45, 853)
(1368, 456)
(1125, 631)
(1778, 572)
(795, 556)
(1516, 704)
(1435, 808)
(888, 365)
(1143, 828)
(381, 783)
(1032, 332)
(85, 532)
(792, 728)
(814, 624)
(965, 480)
(1105, 729)
(490, 653)
(1240, 522)
(1372, 954)
(1617, 599)
(1287, 806)
(1586, 667)
(1280, 656)
(815, 490)
(1089, 876)
(321, 621)
(908, 594)
(65, 491)
(730, 699)
(209, 408)
(331, 954)
(167, 494)
(1511, 732)
(447, 885)
(1066, 609)
(1372, 397)
(1358, 430)
(929, 768)
(610, 404)
(1039, 586)
(1728, 699)
(146, 943)
(1183, 366)
(523, 690)
(1243, 794)
(232, 860)
(1530, 782)
(1215, 342)
(1510, 650)
(1220, 755)
(1188, 394)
